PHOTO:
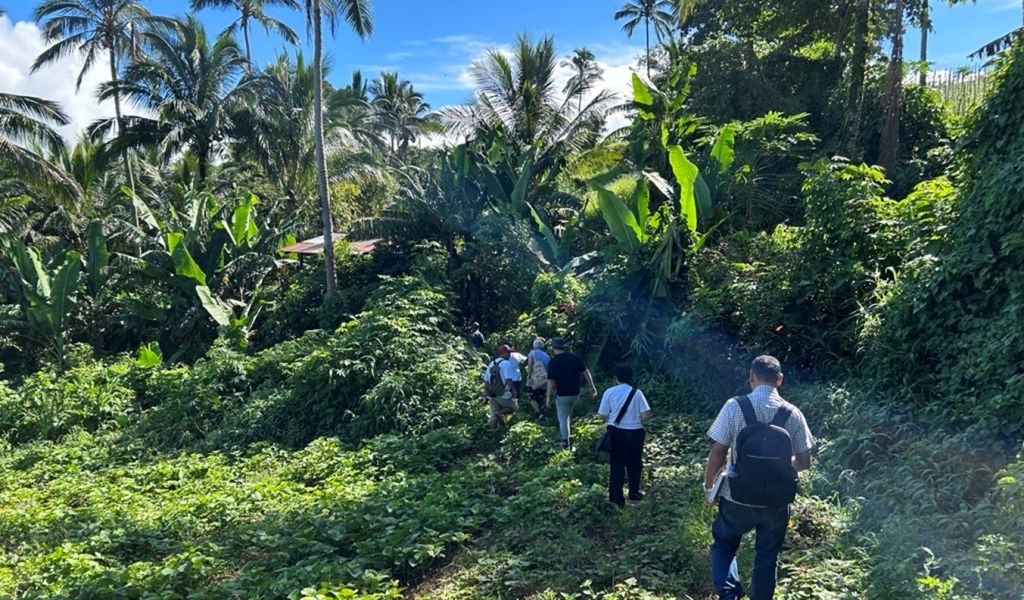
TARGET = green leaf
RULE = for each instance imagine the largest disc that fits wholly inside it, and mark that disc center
(686, 176)
(150, 355)
(99, 257)
(724, 149)
(702, 195)
(217, 309)
(641, 201)
(64, 285)
(183, 262)
(621, 221)
(145, 215)
(641, 92)
(523, 181)
(243, 223)
(554, 249)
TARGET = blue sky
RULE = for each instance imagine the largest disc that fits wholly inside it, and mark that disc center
(433, 43)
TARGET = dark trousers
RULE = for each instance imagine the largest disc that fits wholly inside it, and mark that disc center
(732, 522)
(626, 456)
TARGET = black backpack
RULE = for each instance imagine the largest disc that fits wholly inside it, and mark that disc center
(764, 460)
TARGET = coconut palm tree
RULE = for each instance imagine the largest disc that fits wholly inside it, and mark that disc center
(358, 14)
(518, 98)
(253, 10)
(190, 86)
(27, 124)
(91, 28)
(278, 134)
(400, 110)
(585, 73)
(658, 13)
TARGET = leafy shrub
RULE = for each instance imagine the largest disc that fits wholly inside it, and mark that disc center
(950, 326)
(47, 405)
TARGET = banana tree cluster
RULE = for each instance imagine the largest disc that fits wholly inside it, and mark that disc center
(214, 254)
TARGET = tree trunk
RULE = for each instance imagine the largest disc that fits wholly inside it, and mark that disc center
(321, 160)
(245, 34)
(120, 128)
(890, 139)
(926, 25)
(647, 33)
(858, 63)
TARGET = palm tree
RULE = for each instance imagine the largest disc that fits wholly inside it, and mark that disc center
(252, 10)
(400, 110)
(26, 122)
(90, 28)
(358, 14)
(192, 88)
(651, 12)
(278, 134)
(519, 99)
(585, 73)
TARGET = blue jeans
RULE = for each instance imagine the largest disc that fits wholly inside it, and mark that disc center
(732, 522)
(563, 406)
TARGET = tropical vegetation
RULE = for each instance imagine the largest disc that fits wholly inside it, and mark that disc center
(189, 409)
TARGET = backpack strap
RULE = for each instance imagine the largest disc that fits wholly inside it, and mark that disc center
(748, 409)
(781, 416)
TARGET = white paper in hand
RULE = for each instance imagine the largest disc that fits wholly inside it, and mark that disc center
(716, 487)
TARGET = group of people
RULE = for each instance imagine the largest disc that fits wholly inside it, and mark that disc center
(759, 442)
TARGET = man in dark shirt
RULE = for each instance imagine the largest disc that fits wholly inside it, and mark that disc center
(564, 376)
(477, 337)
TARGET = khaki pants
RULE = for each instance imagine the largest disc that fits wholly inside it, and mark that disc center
(504, 405)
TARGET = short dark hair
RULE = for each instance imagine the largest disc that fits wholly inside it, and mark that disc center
(624, 373)
(766, 368)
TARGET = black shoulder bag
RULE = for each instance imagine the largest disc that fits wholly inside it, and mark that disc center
(604, 444)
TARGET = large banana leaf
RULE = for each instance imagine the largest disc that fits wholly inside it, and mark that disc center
(98, 258)
(183, 263)
(621, 221)
(64, 285)
(686, 176)
(215, 307)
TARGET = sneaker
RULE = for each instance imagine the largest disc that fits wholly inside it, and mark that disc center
(635, 501)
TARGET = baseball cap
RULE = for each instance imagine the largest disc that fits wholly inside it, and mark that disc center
(559, 343)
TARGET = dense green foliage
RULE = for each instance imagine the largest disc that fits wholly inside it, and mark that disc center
(187, 411)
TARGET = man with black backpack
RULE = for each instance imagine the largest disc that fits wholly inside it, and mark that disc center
(765, 441)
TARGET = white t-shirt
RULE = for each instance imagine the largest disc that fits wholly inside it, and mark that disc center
(509, 370)
(611, 404)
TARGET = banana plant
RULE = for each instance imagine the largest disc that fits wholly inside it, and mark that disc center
(209, 250)
(47, 293)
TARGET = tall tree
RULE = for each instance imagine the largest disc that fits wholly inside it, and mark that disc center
(90, 28)
(400, 110)
(253, 10)
(359, 15)
(926, 27)
(858, 65)
(27, 122)
(658, 13)
(191, 88)
(585, 73)
(519, 99)
(890, 137)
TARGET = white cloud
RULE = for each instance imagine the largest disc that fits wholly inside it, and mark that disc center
(617, 62)
(20, 43)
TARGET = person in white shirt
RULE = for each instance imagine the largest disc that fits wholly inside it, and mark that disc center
(502, 396)
(627, 434)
